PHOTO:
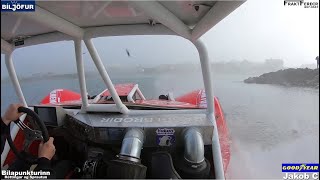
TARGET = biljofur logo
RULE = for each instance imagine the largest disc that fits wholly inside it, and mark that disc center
(18, 6)
(301, 3)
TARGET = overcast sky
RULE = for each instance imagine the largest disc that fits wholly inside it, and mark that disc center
(267, 29)
(256, 31)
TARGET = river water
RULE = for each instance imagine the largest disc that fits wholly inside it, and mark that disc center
(269, 125)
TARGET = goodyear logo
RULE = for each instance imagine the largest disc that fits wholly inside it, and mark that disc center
(16, 6)
(300, 167)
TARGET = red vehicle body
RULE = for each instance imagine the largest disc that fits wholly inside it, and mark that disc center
(193, 100)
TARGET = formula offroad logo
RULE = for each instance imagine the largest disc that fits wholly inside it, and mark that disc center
(18, 6)
(301, 3)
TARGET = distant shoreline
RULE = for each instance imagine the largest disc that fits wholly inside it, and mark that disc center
(300, 77)
(40, 77)
(233, 67)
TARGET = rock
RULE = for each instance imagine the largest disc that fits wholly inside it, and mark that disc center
(301, 77)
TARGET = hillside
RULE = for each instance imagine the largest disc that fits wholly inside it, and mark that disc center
(289, 77)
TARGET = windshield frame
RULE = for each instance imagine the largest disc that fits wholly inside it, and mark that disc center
(118, 106)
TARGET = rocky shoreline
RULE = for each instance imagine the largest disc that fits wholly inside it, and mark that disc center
(289, 77)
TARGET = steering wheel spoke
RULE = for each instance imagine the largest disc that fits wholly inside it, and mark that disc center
(29, 134)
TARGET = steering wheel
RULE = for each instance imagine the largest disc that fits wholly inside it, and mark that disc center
(30, 136)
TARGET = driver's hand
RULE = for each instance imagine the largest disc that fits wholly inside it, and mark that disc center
(47, 150)
(12, 113)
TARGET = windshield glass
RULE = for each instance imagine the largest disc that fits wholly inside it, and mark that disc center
(169, 66)
(155, 63)
(40, 69)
